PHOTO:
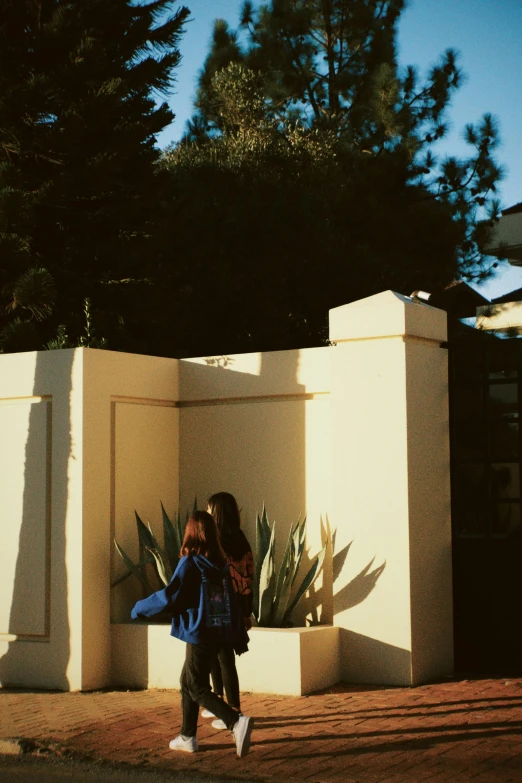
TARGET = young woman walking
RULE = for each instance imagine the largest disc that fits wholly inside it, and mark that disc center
(223, 507)
(206, 615)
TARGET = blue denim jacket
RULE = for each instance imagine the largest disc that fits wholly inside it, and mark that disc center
(196, 616)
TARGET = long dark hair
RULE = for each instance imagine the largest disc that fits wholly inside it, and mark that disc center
(202, 538)
(224, 509)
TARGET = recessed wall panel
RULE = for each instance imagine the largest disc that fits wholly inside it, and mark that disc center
(144, 474)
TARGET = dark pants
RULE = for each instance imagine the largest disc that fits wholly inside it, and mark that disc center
(224, 675)
(195, 689)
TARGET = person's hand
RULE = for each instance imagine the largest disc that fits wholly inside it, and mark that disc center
(248, 622)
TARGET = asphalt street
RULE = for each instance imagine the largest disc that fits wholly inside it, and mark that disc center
(28, 769)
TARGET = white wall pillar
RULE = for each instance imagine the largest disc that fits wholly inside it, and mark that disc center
(391, 490)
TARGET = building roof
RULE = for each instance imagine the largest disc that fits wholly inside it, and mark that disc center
(513, 210)
(506, 237)
(512, 296)
(458, 299)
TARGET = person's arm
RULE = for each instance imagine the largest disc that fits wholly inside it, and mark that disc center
(170, 599)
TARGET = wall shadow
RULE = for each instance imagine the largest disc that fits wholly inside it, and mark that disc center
(317, 604)
(381, 663)
(41, 660)
(360, 587)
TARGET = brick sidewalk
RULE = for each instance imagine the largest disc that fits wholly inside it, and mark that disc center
(455, 731)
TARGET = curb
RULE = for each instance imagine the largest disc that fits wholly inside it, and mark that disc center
(16, 746)
(11, 747)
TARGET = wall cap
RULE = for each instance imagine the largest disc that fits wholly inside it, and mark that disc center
(387, 314)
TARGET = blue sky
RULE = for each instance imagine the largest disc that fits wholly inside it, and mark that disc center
(487, 34)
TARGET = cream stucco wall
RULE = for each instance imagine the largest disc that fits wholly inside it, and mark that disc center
(355, 435)
(65, 493)
(130, 462)
(260, 428)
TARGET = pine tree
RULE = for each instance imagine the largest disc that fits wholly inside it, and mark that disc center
(310, 163)
(331, 65)
(295, 222)
(79, 115)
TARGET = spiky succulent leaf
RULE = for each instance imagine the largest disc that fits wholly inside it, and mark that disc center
(171, 538)
(146, 538)
(299, 543)
(128, 573)
(306, 583)
(284, 578)
(155, 541)
(267, 583)
(162, 569)
(136, 570)
(263, 534)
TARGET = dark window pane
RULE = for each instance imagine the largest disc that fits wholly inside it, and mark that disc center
(466, 401)
(505, 519)
(505, 481)
(469, 501)
(466, 364)
(503, 440)
(503, 400)
(468, 439)
(503, 359)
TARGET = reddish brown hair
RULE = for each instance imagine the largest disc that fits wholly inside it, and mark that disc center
(202, 538)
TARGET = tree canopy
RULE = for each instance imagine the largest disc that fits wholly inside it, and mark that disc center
(310, 163)
(308, 176)
(79, 191)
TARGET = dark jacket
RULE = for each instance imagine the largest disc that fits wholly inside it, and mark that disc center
(202, 602)
(241, 563)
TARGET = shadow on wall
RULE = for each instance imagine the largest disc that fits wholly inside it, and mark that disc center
(381, 662)
(316, 605)
(360, 587)
(353, 593)
(39, 606)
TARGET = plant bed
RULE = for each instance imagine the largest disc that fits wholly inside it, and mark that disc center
(286, 661)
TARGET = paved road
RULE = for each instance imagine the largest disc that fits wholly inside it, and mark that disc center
(25, 769)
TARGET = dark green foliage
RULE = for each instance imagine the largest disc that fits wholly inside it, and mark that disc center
(308, 176)
(163, 559)
(79, 195)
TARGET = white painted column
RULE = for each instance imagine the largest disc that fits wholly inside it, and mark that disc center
(391, 490)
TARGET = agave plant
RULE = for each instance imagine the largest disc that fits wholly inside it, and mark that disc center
(274, 595)
(162, 558)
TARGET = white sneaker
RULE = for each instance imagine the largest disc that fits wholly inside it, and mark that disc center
(189, 745)
(218, 724)
(242, 731)
(207, 714)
